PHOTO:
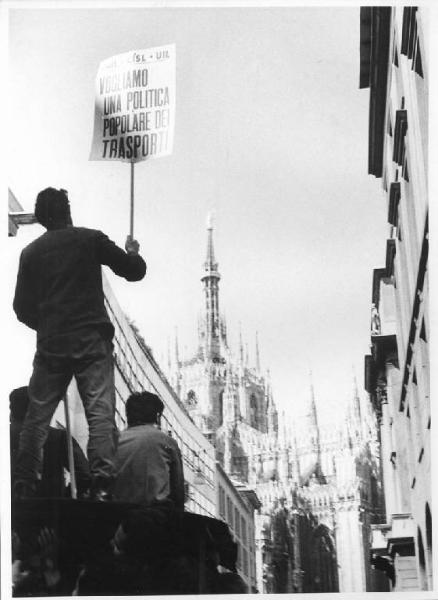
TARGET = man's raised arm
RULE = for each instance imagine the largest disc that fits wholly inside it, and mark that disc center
(129, 264)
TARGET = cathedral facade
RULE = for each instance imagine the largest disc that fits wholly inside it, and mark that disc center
(319, 487)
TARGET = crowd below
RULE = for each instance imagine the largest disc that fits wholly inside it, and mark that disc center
(146, 552)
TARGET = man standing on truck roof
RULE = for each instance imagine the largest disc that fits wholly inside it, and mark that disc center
(59, 294)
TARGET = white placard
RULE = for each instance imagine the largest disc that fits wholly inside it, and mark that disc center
(135, 105)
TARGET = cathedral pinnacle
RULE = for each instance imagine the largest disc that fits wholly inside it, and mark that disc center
(210, 262)
(356, 399)
(240, 344)
(314, 419)
(176, 347)
(257, 352)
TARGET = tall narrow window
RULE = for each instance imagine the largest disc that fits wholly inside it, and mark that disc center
(221, 407)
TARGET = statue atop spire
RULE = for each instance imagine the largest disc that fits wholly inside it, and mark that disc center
(210, 220)
(210, 264)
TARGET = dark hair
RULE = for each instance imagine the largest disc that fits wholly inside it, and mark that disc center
(18, 403)
(143, 407)
(52, 207)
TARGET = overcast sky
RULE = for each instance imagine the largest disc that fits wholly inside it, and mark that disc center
(271, 134)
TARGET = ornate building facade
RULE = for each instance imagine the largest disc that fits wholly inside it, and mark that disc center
(318, 486)
(394, 66)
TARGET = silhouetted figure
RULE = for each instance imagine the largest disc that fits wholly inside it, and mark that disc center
(59, 294)
(55, 452)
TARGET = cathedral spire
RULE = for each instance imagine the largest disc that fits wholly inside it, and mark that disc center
(271, 408)
(177, 376)
(210, 280)
(169, 357)
(314, 419)
(257, 352)
(313, 413)
(354, 417)
(176, 347)
(356, 399)
(240, 344)
(268, 383)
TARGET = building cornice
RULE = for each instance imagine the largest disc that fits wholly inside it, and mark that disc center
(375, 30)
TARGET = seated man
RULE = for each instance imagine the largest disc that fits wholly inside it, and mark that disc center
(55, 452)
(148, 462)
(149, 472)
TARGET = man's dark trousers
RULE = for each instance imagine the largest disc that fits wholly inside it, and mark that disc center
(86, 355)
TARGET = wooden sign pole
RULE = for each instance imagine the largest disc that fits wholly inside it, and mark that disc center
(131, 223)
(71, 461)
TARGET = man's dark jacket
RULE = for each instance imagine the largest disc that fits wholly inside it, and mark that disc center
(59, 282)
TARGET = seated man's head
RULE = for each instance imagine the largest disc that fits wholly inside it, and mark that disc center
(18, 403)
(143, 408)
(52, 209)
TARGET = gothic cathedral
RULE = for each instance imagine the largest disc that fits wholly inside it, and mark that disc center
(319, 487)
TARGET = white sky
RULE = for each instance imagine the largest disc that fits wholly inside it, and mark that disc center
(271, 133)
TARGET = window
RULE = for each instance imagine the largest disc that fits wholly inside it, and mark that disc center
(221, 407)
(389, 129)
(237, 522)
(423, 335)
(395, 56)
(253, 410)
(243, 529)
(405, 171)
(230, 512)
(417, 64)
(239, 557)
(421, 559)
(245, 561)
(414, 376)
(428, 526)
(221, 502)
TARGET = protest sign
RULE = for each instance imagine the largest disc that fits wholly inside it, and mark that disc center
(135, 105)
